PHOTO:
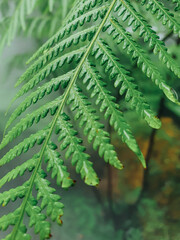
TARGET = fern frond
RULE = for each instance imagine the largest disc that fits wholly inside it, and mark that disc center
(37, 214)
(122, 36)
(124, 81)
(13, 194)
(24, 8)
(67, 52)
(54, 52)
(109, 107)
(92, 128)
(37, 219)
(94, 15)
(24, 146)
(162, 13)
(127, 11)
(72, 143)
(50, 200)
(58, 63)
(30, 119)
(37, 95)
(52, 157)
(21, 234)
(28, 165)
(9, 219)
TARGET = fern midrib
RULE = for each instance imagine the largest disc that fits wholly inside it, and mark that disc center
(32, 179)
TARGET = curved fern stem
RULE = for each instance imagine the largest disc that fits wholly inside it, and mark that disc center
(32, 179)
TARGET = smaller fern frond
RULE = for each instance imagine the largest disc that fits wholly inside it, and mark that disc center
(30, 119)
(37, 219)
(122, 36)
(23, 9)
(9, 219)
(13, 194)
(109, 107)
(162, 13)
(19, 170)
(37, 95)
(50, 200)
(24, 146)
(137, 21)
(92, 128)
(70, 142)
(124, 81)
(52, 157)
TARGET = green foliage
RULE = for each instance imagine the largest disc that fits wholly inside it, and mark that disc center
(80, 62)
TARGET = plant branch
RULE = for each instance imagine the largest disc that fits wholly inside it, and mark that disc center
(53, 123)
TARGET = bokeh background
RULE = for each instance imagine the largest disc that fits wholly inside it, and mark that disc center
(132, 204)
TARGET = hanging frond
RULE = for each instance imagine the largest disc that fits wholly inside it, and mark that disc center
(157, 8)
(126, 10)
(73, 61)
(70, 142)
(124, 81)
(94, 15)
(122, 36)
(92, 128)
(109, 107)
(50, 200)
(52, 157)
(18, 19)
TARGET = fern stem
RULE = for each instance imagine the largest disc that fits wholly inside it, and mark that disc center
(66, 94)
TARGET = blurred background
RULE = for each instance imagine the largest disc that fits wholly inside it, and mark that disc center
(131, 204)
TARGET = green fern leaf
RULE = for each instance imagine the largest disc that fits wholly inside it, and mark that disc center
(37, 219)
(82, 7)
(25, 7)
(51, 67)
(54, 51)
(122, 79)
(127, 11)
(109, 107)
(24, 146)
(9, 219)
(28, 165)
(50, 200)
(13, 194)
(72, 26)
(57, 166)
(137, 53)
(41, 91)
(21, 234)
(72, 143)
(162, 13)
(92, 128)
(28, 121)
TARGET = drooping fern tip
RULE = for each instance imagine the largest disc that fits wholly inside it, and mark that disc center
(79, 62)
